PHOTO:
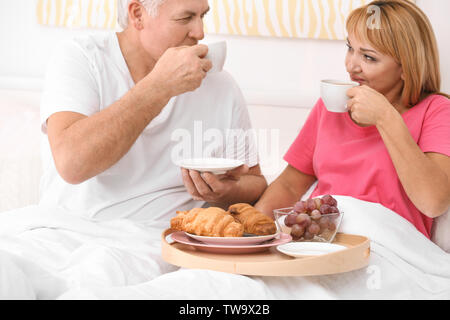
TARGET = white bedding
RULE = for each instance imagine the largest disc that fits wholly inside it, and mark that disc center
(49, 254)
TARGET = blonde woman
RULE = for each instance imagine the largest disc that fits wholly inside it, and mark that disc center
(393, 145)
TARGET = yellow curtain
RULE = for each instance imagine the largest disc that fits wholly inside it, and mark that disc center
(77, 13)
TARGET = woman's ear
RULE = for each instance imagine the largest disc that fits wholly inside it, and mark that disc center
(135, 14)
(402, 74)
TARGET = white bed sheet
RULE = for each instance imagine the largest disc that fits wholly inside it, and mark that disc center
(46, 253)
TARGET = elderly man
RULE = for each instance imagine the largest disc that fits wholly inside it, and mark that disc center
(112, 103)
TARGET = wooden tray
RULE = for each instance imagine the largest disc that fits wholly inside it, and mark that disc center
(271, 262)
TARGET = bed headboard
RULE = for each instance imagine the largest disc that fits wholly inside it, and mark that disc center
(279, 125)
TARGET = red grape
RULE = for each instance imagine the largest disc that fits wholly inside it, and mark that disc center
(324, 222)
(328, 199)
(318, 202)
(303, 220)
(334, 210)
(300, 207)
(308, 235)
(290, 220)
(333, 202)
(316, 215)
(310, 205)
(332, 226)
(314, 228)
(325, 209)
(297, 231)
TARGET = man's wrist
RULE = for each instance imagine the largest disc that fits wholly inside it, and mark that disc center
(153, 93)
(245, 191)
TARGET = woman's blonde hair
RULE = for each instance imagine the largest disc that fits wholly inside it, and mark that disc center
(400, 29)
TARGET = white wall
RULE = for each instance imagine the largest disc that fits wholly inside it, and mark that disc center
(285, 71)
(438, 12)
(271, 71)
(25, 45)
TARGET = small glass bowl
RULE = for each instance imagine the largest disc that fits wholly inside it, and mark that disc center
(328, 227)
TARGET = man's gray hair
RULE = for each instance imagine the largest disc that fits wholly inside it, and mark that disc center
(122, 14)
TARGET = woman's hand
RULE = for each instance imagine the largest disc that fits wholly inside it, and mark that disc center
(367, 106)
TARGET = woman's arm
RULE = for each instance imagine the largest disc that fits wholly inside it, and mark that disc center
(285, 191)
(424, 176)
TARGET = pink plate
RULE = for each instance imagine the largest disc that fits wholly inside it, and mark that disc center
(181, 237)
(233, 241)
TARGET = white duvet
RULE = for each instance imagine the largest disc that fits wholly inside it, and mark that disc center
(46, 253)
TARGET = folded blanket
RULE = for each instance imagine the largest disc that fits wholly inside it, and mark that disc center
(56, 251)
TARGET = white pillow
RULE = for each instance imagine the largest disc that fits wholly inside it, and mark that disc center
(20, 161)
(441, 231)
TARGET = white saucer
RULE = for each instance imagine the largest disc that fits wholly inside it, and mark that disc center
(308, 249)
(213, 165)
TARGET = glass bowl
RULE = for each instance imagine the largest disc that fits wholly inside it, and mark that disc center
(301, 228)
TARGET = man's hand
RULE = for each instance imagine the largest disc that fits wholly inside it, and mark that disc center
(213, 188)
(180, 70)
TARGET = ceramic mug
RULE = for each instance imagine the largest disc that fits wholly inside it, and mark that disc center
(334, 94)
(217, 53)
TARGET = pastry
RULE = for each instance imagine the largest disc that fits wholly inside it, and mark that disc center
(254, 222)
(177, 221)
(209, 222)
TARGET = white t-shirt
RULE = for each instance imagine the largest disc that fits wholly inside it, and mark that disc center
(87, 75)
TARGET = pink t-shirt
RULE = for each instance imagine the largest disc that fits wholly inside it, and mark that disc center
(353, 161)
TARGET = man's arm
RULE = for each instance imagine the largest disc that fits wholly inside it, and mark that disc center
(84, 147)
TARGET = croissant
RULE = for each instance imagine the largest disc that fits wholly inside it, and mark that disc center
(210, 222)
(254, 222)
(177, 221)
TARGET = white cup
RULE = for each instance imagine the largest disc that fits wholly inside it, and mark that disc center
(217, 53)
(334, 94)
